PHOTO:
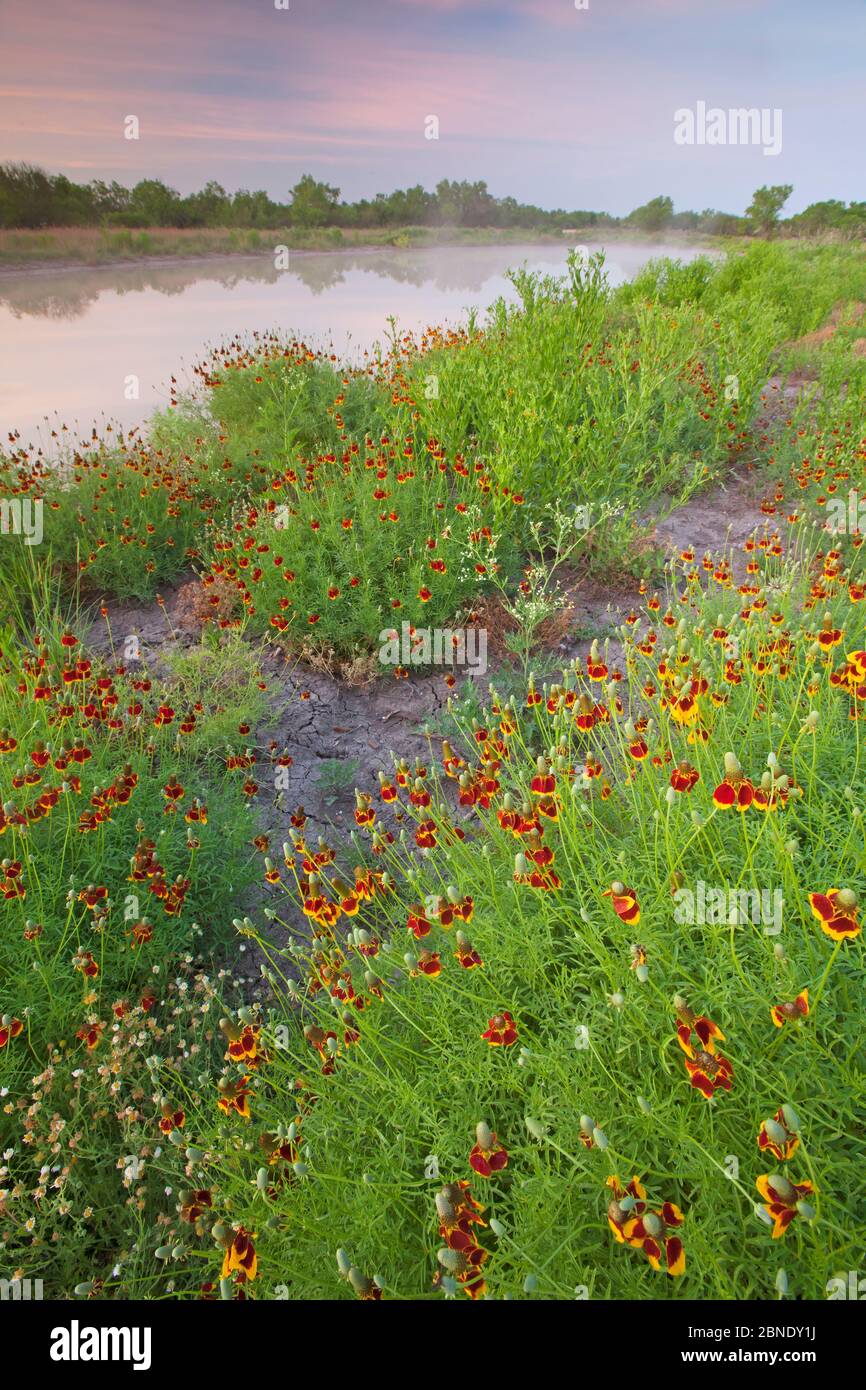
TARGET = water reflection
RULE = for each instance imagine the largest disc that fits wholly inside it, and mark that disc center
(94, 343)
(68, 293)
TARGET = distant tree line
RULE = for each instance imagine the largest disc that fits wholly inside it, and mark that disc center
(30, 197)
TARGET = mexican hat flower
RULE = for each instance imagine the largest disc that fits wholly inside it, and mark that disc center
(240, 1257)
(710, 1071)
(735, 789)
(688, 1022)
(487, 1155)
(783, 1200)
(653, 1231)
(837, 911)
(779, 1136)
(626, 1202)
(624, 903)
(786, 1013)
(501, 1031)
(9, 1028)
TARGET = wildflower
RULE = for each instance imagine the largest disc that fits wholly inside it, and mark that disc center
(624, 903)
(783, 1200)
(778, 1136)
(240, 1257)
(465, 953)
(632, 1223)
(708, 1069)
(684, 777)
(688, 1022)
(458, 1214)
(735, 789)
(487, 1156)
(9, 1028)
(195, 1204)
(501, 1031)
(797, 1008)
(837, 911)
(171, 1119)
(233, 1097)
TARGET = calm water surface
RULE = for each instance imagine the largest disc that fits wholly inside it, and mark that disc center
(69, 339)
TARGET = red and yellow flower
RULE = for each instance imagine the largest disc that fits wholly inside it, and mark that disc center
(783, 1200)
(837, 911)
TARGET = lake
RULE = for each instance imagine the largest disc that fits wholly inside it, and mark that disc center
(73, 340)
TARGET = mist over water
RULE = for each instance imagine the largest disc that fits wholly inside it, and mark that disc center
(71, 338)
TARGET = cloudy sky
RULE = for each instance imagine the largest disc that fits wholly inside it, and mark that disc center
(556, 105)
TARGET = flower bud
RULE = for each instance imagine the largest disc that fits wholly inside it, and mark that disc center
(775, 1133)
(780, 1184)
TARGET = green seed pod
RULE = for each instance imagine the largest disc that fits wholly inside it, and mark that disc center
(780, 1184)
(163, 1252)
(443, 1207)
(176, 1138)
(300, 1170)
(781, 1281)
(262, 1179)
(497, 1227)
(225, 1290)
(601, 1140)
(644, 1105)
(194, 1154)
(805, 1210)
(587, 1125)
(535, 1127)
(791, 1118)
(530, 1283)
(652, 1224)
(360, 1282)
(82, 1290)
(775, 1133)
(344, 1264)
(449, 1259)
(642, 973)
(484, 1135)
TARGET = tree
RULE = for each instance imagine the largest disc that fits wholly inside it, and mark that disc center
(767, 203)
(654, 215)
(314, 204)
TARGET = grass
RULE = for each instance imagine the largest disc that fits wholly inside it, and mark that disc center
(100, 246)
(555, 992)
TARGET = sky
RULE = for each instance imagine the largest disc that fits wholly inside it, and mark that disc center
(553, 104)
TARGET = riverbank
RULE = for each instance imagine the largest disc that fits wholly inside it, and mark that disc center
(67, 248)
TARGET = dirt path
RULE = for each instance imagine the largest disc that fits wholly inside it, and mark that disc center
(340, 737)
